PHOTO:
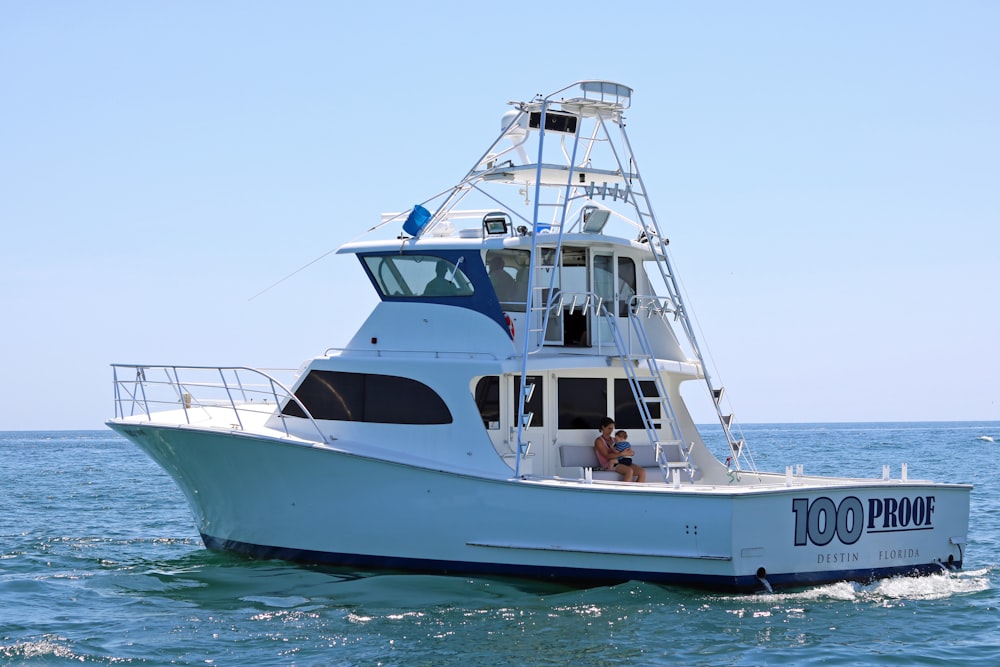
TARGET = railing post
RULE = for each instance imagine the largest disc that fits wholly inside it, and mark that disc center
(140, 379)
(239, 383)
(118, 398)
(229, 394)
(277, 407)
(176, 383)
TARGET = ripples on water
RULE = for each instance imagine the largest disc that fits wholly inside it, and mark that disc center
(100, 564)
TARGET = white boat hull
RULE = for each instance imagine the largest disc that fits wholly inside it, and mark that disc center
(281, 498)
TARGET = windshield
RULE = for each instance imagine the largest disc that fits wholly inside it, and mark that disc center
(418, 276)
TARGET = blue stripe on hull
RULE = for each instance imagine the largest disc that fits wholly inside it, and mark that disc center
(745, 584)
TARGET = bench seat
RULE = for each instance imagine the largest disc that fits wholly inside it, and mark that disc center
(583, 457)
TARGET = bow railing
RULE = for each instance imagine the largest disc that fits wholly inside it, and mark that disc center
(217, 394)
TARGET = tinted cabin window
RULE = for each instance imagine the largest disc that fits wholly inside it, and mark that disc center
(488, 400)
(582, 402)
(626, 284)
(381, 399)
(626, 411)
(508, 271)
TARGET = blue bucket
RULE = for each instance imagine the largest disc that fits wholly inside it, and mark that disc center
(416, 220)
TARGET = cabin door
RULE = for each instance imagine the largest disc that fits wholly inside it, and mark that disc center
(569, 322)
(603, 277)
(615, 283)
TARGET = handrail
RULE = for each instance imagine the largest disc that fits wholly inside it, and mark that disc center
(242, 389)
(437, 354)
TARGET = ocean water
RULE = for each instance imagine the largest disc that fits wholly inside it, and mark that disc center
(100, 564)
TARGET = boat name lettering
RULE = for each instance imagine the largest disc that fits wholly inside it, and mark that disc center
(898, 554)
(821, 520)
(901, 513)
(838, 557)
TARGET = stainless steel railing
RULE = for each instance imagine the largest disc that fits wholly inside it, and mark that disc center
(238, 391)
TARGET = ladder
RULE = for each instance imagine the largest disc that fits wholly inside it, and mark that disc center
(658, 245)
(605, 101)
(671, 455)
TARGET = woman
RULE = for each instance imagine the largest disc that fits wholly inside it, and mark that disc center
(604, 447)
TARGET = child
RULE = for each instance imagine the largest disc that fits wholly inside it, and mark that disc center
(606, 446)
(621, 444)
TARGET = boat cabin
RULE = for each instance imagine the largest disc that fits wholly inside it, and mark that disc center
(590, 296)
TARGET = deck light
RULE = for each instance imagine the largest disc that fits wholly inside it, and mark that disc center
(496, 224)
(594, 219)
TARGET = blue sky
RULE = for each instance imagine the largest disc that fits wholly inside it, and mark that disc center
(828, 173)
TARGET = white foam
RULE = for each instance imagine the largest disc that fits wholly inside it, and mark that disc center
(48, 646)
(929, 587)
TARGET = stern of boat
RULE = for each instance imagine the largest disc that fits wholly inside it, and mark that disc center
(813, 534)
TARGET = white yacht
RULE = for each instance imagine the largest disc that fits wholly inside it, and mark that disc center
(455, 431)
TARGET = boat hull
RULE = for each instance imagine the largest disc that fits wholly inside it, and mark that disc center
(300, 501)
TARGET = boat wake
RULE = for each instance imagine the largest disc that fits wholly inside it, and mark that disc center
(888, 591)
(934, 587)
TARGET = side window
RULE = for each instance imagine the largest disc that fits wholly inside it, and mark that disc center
(582, 402)
(626, 411)
(508, 271)
(398, 400)
(487, 396)
(626, 284)
(364, 397)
